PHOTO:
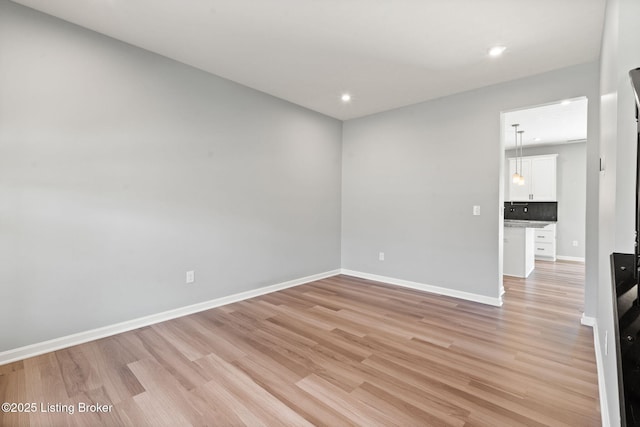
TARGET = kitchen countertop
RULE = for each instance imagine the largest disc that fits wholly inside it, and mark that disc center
(519, 223)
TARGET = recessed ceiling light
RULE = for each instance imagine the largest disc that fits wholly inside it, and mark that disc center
(346, 97)
(565, 102)
(496, 51)
(537, 139)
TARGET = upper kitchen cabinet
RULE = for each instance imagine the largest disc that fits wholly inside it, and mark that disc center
(539, 174)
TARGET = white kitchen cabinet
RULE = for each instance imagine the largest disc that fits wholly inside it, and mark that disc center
(545, 243)
(539, 179)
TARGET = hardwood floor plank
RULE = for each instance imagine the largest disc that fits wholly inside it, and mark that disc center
(169, 356)
(402, 412)
(254, 398)
(163, 388)
(345, 348)
(333, 396)
(13, 389)
(131, 414)
(110, 360)
(274, 379)
(44, 385)
(437, 395)
(88, 417)
(155, 410)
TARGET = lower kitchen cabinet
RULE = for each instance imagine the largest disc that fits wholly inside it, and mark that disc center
(545, 243)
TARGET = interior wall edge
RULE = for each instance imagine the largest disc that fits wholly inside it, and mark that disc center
(602, 389)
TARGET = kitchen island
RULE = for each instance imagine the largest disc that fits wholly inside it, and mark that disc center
(519, 246)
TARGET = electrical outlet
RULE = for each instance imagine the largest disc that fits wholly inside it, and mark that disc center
(476, 210)
(574, 243)
(381, 256)
(191, 276)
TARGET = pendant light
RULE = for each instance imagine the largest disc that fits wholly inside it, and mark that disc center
(516, 176)
(521, 178)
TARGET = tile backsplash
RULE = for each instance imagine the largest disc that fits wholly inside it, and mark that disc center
(532, 211)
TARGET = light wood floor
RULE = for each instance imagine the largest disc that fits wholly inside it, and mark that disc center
(340, 351)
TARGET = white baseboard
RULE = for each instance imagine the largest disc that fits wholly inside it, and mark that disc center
(602, 390)
(588, 321)
(94, 334)
(569, 258)
(495, 301)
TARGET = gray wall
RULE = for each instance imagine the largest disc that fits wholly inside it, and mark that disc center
(120, 170)
(412, 175)
(571, 192)
(620, 53)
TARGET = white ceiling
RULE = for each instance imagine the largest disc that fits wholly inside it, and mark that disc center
(386, 53)
(548, 124)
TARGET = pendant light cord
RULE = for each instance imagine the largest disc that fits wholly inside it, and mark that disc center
(515, 134)
(521, 151)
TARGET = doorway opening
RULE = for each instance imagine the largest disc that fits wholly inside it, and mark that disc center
(543, 188)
